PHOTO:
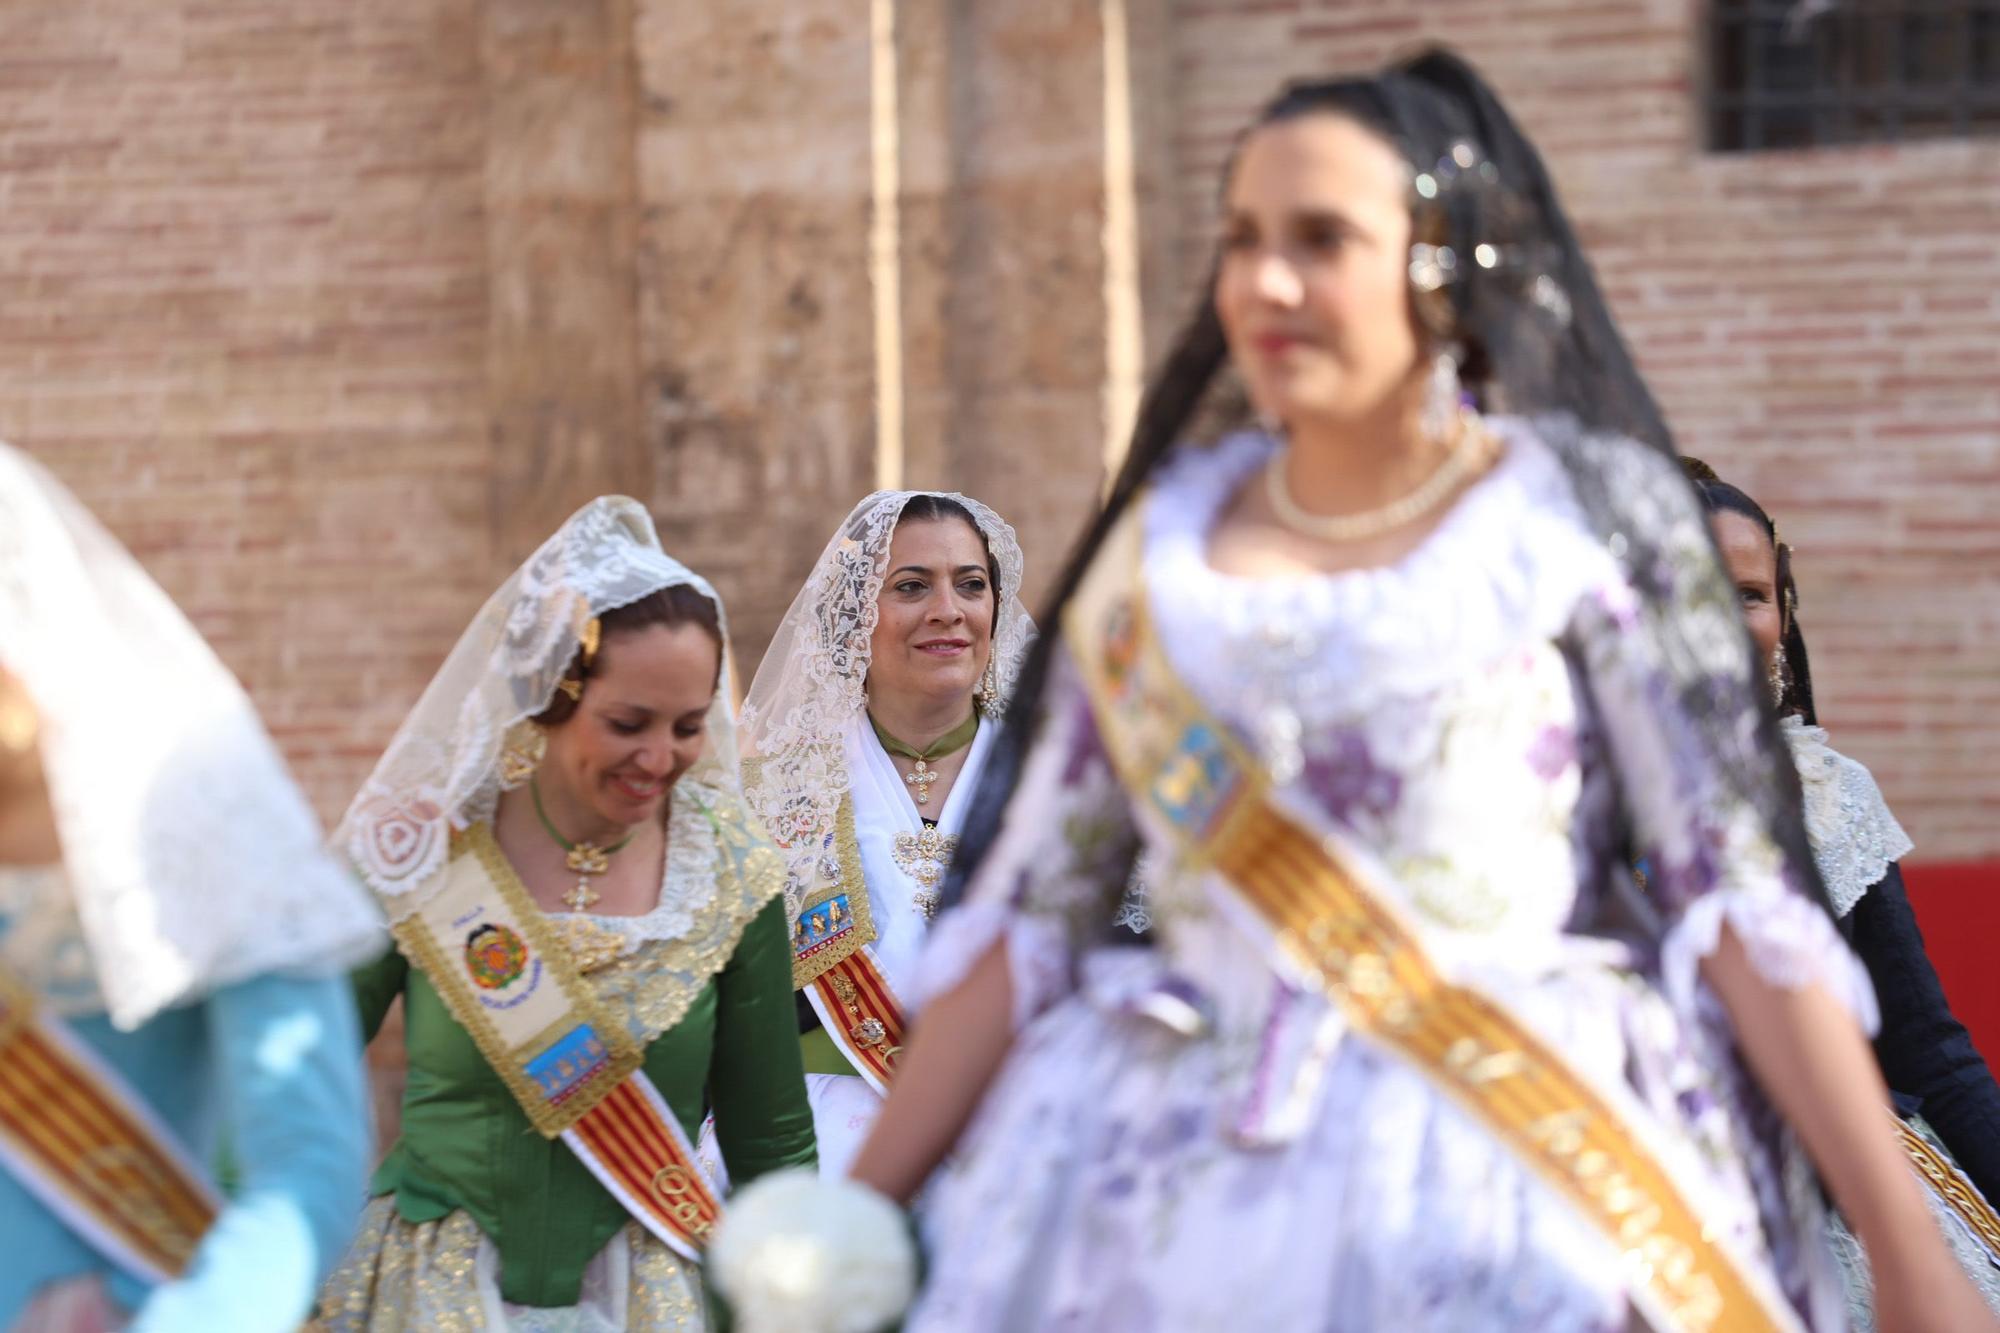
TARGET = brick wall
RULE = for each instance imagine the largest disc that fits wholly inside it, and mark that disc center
(1823, 327)
(270, 276)
(242, 313)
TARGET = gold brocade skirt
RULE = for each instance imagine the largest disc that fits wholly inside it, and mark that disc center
(444, 1277)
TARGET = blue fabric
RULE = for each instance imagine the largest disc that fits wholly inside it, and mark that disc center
(275, 1064)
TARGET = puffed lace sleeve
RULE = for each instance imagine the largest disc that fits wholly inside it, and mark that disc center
(1056, 877)
(1670, 671)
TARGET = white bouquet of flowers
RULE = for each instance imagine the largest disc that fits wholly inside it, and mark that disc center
(798, 1254)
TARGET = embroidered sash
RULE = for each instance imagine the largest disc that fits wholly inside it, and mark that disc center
(1942, 1178)
(82, 1141)
(499, 966)
(1332, 925)
(833, 963)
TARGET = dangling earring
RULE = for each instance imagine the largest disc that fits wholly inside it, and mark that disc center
(1441, 396)
(1775, 679)
(987, 697)
(522, 754)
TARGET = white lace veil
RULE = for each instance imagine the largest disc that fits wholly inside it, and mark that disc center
(811, 683)
(194, 859)
(442, 770)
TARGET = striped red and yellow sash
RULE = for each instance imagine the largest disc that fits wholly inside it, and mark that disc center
(868, 1022)
(82, 1142)
(1333, 928)
(832, 962)
(632, 1142)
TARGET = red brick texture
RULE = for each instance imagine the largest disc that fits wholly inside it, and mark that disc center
(242, 313)
(252, 276)
(1823, 327)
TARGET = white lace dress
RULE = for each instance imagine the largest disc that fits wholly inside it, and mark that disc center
(1476, 719)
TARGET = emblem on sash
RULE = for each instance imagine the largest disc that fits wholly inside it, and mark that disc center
(495, 957)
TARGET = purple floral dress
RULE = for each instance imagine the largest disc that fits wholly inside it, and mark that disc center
(1181, 1140)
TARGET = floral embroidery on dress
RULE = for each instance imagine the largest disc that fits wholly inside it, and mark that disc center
(1497, 757)
(1346, 776)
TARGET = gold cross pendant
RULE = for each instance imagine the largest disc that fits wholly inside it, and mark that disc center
(922, 780)
(581, 896)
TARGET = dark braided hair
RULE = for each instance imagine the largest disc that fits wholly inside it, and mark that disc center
(1718, 496)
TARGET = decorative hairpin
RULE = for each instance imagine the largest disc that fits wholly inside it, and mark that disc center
(593, 632)
(1462, 157)
(1432, 266)
(1436, 266)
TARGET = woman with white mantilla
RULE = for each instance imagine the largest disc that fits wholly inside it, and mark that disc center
(591, 945)
(865, 732)
(173, 943)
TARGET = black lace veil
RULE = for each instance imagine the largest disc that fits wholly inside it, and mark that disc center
(1498, 273)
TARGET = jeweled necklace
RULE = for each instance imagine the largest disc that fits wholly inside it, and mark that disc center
(1457, 465)
(950, 743)
(584, 858)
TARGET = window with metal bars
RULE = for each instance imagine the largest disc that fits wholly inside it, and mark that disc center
(1810, 73)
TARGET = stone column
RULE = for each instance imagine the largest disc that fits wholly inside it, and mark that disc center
(1032, 151)
(756, 316)
(891, 241)
(562, 345)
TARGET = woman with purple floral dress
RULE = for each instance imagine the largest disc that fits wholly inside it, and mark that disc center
(1458, 612)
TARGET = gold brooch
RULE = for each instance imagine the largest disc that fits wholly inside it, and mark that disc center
(923, 857)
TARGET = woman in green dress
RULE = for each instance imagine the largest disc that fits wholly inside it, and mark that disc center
(591, 931)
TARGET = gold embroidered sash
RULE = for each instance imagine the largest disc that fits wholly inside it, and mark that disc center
(84, 1143)
(833, 963)
(1335, 929)
(507, 977)
(1943, 1178)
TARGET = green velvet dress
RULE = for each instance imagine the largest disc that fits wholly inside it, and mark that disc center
(481, 1223)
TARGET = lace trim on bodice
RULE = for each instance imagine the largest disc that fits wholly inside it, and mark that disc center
(687, 880)
(1855, 839)
(721, 871)
(1506, 565)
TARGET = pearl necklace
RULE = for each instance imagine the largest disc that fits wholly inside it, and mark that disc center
(1458, 464)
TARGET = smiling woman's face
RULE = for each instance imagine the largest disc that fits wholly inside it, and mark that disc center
(934, 633)
(641, 724)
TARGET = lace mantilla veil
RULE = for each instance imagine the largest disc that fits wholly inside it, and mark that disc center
(1540, 344)
(812, 682)
(442, 770)
(194, 859)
